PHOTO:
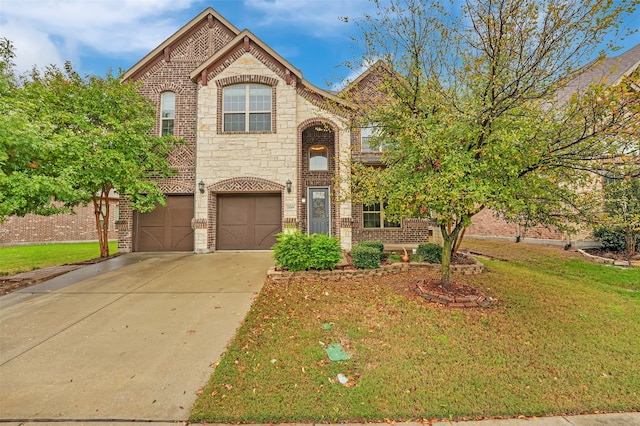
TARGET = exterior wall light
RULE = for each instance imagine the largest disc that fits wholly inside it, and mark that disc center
(201, 186)
(289, 186)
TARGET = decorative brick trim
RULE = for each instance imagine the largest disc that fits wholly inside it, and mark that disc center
(245, 184)
(246, 79)
(235, 185)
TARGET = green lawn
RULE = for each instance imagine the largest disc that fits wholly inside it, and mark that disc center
(16, 259)
(563, 338)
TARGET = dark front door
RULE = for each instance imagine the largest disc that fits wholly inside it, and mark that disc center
(319, 211)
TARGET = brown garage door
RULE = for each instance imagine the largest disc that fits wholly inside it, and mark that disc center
(165, 228)
(248, 221)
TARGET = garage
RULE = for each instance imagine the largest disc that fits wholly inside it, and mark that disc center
(248, 221)
(166, 228)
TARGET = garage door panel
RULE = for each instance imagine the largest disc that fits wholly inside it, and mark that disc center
(248, 221)
(166, 228)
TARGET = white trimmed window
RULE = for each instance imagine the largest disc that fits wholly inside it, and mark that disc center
(247, 108)
(167, 113)
(373, 216)
(367, 136)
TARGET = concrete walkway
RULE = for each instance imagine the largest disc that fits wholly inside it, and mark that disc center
(130, 344)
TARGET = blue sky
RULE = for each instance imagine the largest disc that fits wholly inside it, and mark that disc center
(97, 34)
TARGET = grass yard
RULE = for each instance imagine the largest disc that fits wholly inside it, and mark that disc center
(563, 338)
(16, 259)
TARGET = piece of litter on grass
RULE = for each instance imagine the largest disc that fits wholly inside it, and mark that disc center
(273, 361)
(321, 343)
(342, 379)
(326, 326)
(336, 353)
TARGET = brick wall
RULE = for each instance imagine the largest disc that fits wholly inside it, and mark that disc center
(62, 227)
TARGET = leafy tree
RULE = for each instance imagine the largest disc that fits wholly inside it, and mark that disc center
(27, 182)
(101, 130)
(472, 116)
(622, 210)
(69, 140)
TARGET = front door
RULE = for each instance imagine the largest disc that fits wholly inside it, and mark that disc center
(319, 211)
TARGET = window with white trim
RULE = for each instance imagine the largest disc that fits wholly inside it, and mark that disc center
(167, 113)
(246, 108)
(373, 216)
(367, 136)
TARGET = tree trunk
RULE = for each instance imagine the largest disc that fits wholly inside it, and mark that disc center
(103, 229)
(445, 266)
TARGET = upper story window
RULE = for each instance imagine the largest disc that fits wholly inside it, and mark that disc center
(167, 113)
(247, 108)
(318, 158)
(373, 216)
(367, 137)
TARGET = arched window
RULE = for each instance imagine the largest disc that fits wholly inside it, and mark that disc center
(167, 113)
(318, 158)
(247, 108)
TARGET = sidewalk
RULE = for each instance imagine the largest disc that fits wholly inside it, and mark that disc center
(616, 419)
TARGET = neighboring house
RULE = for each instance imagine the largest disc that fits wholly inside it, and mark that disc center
(610, 70)
(264, 149)
(68, 227)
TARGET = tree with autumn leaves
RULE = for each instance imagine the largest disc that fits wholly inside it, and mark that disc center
(70, 140)
(469, 112)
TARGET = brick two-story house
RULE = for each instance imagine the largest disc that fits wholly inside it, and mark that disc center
(264, 149)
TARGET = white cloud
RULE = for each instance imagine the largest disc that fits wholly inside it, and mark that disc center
(52, 31)
(317, 17)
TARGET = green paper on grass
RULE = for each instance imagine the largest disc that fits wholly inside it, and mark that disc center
(336, 353)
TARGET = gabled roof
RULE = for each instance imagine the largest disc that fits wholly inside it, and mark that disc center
(609, 70)
(156, 54)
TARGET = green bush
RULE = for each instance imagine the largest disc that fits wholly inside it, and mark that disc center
(293, 251)
(365, 257)
(430, 252)
(394, 257)
(296, 251)
(611, 238)
(375, 244)
(325, 251)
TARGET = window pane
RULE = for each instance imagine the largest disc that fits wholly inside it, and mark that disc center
(318, 158)
(259, 122)
(371, 220)
(259, 98)
(168, 105)
(167, 127)
(234, 122)
(234, 98)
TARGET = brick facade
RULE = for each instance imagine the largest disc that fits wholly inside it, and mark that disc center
(80, 226)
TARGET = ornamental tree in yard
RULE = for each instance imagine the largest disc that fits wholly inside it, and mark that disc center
(28, 183)
(470, 116)
(98, 137)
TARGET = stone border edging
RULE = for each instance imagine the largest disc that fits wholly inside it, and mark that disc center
(348, 274)
(607, 261)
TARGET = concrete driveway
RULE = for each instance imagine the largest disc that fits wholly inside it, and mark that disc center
(129, 344)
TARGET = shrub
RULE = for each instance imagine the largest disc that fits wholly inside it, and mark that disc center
(365, 257)
(430, 252)
(612, 238)
(296, 251)
(325, 251)
(374, 244)
(293, 251)
(394, 257)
